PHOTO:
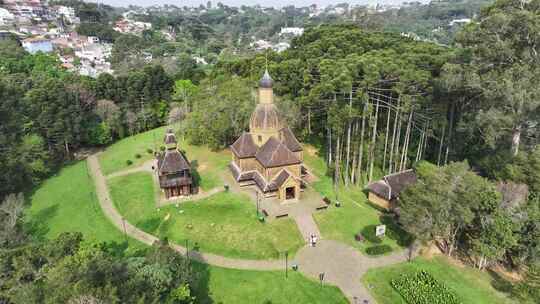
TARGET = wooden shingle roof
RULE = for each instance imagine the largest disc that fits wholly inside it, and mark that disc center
(399, 181)
(172, 161)
(288, 138)
(380, 188)
(391, 185)
(244, 146)
(265, 116)
(275, 154)
(170, 138)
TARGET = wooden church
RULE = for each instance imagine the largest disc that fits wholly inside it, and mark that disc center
(173, 169)
(268, 156)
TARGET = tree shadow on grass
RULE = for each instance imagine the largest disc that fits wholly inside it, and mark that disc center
(149, 225)
(395, 232)
(38, 225)
(196, 177)
(201, 289)
(499, 283)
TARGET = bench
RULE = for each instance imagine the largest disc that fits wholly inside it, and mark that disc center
(282, 215)
(264, 212)
(322, 207)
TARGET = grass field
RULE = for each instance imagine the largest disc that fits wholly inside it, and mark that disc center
(230, 286)
(207, 165)
(225, 223)
(355, 214)
(67, 202)
(470, 285)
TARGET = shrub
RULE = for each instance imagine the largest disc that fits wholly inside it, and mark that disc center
(137, 155)
(378, 250)
(149, 151)
(162, 148)
(369, 234)
(129, 162)
(422, 288)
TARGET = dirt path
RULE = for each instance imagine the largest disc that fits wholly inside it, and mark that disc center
(342, 265)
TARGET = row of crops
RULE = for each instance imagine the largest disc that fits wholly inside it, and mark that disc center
(422, 288)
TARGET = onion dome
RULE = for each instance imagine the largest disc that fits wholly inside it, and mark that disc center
(265, 117)
(266, 81)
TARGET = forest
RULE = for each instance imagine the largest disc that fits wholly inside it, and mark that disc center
(465, 116)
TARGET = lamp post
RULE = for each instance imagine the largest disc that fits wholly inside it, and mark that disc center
(321, 277)
(257, 192)
(286, 263)
(125, 231)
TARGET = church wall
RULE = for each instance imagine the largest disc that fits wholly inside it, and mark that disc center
(291, 182)
(379, 201)
(260, 137)
(266, 95)
(248, 164)
(299, 155)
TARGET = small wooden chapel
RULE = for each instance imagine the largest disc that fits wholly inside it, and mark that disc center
(173, 169)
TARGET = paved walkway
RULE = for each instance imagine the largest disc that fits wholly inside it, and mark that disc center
(307, 227)
(342, 265)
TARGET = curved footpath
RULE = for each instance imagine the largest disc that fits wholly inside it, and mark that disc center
(116, 218)
(342, 265)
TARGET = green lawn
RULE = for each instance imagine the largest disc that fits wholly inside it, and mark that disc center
(207, 165)
(470, 285)
(115, 157)
(67, 202)
(224, 223)
(229, 286)
(355, 214)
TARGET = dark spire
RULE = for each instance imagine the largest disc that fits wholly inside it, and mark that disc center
(266, 81)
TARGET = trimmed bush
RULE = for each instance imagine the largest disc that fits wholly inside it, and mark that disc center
(129, 162)
(137, 155)
(149, 151)
(422, 288)
(378, 250)
(162, 148)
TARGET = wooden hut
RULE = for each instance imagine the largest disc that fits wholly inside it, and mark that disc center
(174, 170)
(385, 192)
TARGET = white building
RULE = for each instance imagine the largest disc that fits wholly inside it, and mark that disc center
(93, 39)
(6, 17)
(200, 60)
(261, 44)
(280, 47)
(68, 13)
(296, 31)
(460, 21)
